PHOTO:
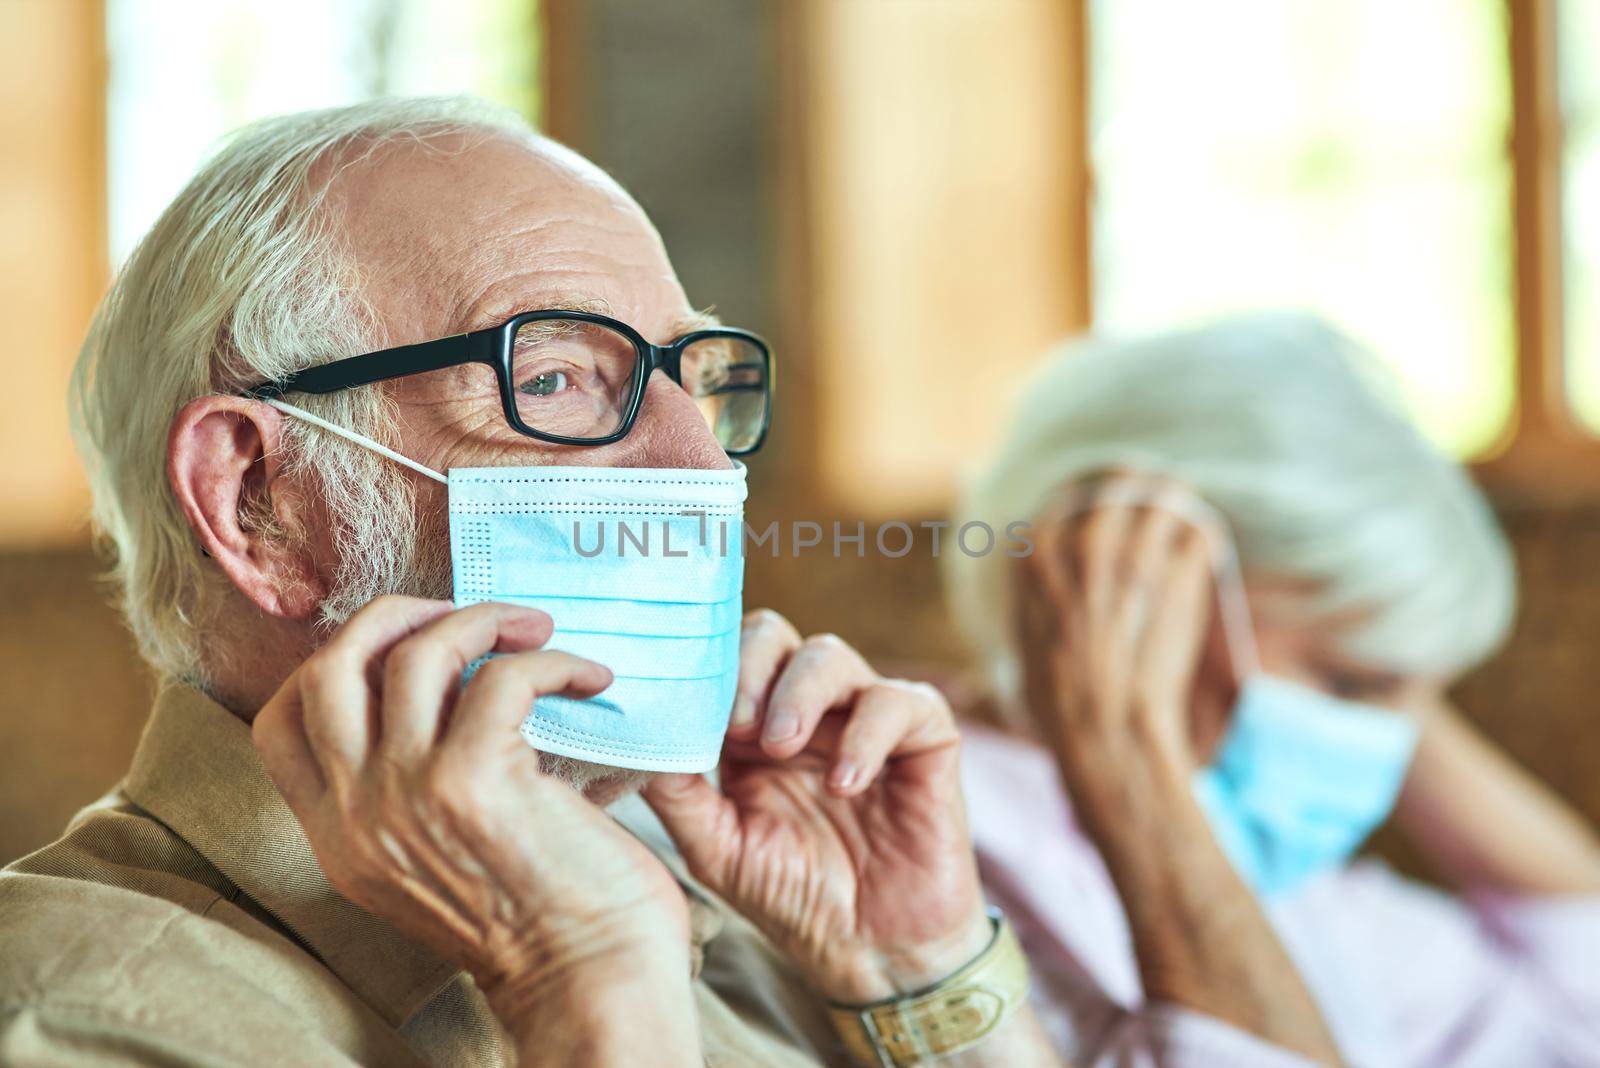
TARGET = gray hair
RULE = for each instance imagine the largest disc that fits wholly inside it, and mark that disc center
(244, 279)
(1297, 437)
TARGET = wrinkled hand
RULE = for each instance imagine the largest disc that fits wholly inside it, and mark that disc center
(839, 828)
(425, 805)
(1117, 616)
(1114, 615)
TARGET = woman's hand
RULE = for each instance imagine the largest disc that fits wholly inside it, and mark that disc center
(1114, 616)
(425, 806)
(839, 828)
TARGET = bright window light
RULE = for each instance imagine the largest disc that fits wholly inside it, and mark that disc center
(1580, 103)
(184, 72)
(1349, 157)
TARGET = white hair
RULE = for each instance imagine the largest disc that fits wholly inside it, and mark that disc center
(243, 279)
(1296, 436)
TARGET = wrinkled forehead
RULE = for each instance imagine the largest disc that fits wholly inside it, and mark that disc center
(462, 231)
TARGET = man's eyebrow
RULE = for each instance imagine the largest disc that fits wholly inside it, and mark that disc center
(488, 316)
(495, 314)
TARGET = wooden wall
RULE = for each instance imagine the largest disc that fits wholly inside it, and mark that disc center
(52, 252)
(75, 696)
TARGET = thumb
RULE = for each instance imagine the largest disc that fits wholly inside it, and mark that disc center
(702, 822)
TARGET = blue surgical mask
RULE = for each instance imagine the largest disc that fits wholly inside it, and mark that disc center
(642, 570)
(1301, 778)
(1300, 781)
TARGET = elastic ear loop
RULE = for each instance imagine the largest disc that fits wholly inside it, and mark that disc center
(384, 450)
(1209, 523)
(359, 439)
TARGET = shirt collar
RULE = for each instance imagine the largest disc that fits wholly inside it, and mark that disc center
(197, 771)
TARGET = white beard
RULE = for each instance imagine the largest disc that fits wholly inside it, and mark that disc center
(598, 782)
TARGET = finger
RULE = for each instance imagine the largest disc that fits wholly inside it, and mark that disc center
(1048, 568)
(422, 673)
(337, 702)
(1135, 495)
(501, 694)
(1147, 555)
(1051, 592)
(1125, 653)
(823, 673)
(703, 823)
(285, 752)
(1037, 619)
(766, 641)
(382, 622)
(1096, 555)
(1149, 542)
(892, 718)
(1172, 645)
(1039, 603)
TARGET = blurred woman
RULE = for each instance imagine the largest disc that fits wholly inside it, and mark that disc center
(1226, 659)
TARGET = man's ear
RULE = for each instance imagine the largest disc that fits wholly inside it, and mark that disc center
(224, 463)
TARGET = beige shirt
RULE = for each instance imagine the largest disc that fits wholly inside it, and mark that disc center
(183, 920)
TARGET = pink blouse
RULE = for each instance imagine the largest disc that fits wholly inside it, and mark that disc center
(1406, 976)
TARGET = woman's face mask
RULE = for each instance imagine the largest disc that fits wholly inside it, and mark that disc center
(1300, 780)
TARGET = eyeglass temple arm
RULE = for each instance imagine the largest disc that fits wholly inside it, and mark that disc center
(476, 347)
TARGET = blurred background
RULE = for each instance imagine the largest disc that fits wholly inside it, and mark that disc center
(913, 199)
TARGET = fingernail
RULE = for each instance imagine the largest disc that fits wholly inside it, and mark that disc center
(844, 775)
(782, 726)
(744, 712)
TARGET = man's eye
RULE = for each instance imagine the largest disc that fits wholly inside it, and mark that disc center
(545, 383)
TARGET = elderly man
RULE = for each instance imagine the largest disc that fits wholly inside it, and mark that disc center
(386, 872)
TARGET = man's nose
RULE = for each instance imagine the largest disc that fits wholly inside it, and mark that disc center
(669, 432)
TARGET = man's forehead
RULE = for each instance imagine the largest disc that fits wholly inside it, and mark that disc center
(495, 312)
(463, 231)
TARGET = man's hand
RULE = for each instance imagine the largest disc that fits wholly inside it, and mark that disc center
(839, 829)
(425, 806)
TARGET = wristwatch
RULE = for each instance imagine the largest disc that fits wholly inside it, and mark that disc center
(944, 1018)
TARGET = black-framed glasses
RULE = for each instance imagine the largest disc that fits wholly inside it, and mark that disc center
(578, 378)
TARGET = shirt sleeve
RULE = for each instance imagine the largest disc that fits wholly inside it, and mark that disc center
(1409, 973)
(1558, 936)
(71, 1034)
(85, 1035)
(1166, 1035)
(1554, 944)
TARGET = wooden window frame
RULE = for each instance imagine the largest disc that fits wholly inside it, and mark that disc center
(1550, 459)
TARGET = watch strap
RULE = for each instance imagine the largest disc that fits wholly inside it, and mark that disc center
(942, 1019)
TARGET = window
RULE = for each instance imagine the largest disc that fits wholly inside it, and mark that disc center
(1579, 79)
(184, 72)
(1350, 157)
(110, 107)
(1425, 174)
